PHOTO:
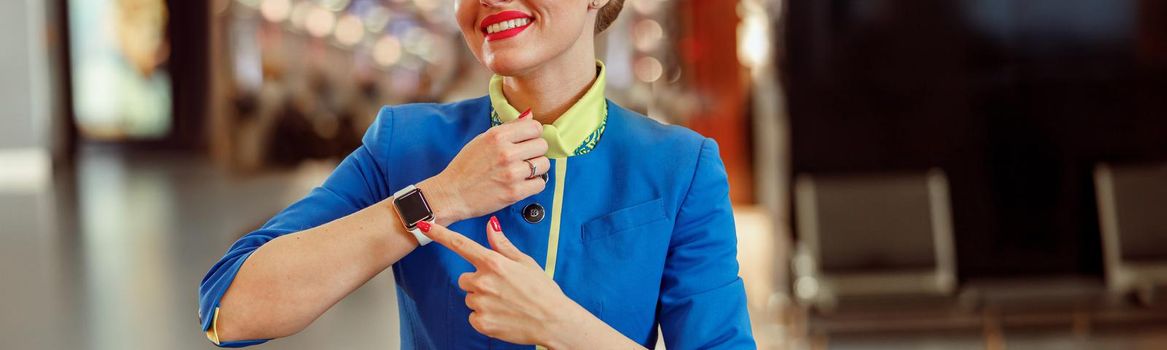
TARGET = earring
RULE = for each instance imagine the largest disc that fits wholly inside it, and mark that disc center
(595, 4)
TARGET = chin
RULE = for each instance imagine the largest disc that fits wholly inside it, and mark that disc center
(509, 63)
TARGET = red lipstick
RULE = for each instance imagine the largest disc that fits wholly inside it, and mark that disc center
(505, 24)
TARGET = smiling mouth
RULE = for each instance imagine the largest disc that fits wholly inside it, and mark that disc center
(505, 25)
(508, 25)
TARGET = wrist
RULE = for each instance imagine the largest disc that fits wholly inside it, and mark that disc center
(443, 203)
(565, 331)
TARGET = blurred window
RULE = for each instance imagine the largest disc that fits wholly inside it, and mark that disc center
(121, 86)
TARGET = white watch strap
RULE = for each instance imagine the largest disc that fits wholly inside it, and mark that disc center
(422, 239)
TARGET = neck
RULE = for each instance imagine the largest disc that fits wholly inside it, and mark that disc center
(552, 88)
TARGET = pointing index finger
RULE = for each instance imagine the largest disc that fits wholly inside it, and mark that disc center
(470, 250)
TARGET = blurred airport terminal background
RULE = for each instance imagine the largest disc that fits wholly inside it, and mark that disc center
(942, 174)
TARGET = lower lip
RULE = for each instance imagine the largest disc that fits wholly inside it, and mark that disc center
(507, 33)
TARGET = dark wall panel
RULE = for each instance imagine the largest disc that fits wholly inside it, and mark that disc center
(1015, 99)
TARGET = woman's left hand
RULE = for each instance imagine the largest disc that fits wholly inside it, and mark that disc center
(510, 296)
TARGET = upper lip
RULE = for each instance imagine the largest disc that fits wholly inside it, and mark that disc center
(501, 17)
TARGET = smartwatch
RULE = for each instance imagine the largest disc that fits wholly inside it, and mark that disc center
(412, 208)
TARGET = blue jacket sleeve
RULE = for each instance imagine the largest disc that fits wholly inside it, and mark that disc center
(359, 181)
(703, 301)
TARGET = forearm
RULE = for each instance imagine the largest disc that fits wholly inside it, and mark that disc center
(582, 330)
(290, 281)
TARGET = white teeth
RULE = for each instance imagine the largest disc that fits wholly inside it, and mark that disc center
(507, 25)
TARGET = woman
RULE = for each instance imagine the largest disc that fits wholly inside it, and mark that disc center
(614, 223)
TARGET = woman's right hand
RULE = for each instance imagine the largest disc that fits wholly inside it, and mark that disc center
(490, 172)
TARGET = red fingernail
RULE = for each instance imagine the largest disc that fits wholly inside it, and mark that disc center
(525, 114)
(424, 226)
(494, 224)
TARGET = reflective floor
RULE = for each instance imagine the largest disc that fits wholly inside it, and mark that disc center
(114, 261)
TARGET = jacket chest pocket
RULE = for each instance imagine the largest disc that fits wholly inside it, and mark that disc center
(638, 233)
(624, 220)
(622, 256)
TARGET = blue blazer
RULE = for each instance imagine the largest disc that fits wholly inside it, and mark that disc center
(646, 231)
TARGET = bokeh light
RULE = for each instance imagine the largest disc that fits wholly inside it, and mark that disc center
(349, 30)
(320, 22)
(299, 16)
(647, 35)
(275, 10)
(648, 69)
(334, 5)
(387, 51)
(376, 19)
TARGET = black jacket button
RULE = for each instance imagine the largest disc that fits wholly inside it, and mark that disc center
(533, 213)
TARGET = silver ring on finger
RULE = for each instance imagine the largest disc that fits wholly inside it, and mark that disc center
(533, 169)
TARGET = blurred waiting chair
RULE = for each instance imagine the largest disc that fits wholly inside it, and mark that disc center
(873, 236)
(1132, 211)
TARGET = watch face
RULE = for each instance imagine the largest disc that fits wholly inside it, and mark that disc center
(412, 207)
